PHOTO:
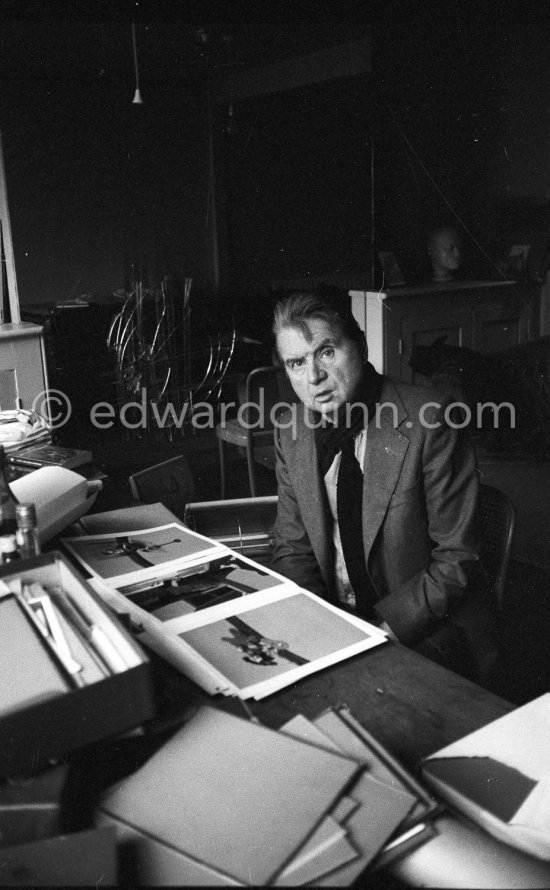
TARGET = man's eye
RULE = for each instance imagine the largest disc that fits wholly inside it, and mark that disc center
(296, 363)
(328, 352)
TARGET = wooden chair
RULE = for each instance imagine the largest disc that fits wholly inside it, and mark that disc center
(496, 520)
(169, 482)
(254, 433)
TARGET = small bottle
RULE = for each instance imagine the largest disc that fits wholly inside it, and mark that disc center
(28, 543)
(8, 501)
(8, 549)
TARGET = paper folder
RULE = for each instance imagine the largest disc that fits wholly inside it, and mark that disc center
(499, 776)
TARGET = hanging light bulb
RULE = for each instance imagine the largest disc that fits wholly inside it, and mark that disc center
(232, 127)
(137, 100)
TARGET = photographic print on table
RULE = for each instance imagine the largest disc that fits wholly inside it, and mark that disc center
(122, 559)
(213, 582)
(262, 643)
(231, 625)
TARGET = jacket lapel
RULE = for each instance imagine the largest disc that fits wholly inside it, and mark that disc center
(311, 495)
(385, 452)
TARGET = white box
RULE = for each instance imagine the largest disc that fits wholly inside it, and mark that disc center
(23, 374)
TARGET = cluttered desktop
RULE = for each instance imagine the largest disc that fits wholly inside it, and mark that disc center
(175, 712)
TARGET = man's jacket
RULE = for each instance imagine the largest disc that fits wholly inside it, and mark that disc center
(419, 496)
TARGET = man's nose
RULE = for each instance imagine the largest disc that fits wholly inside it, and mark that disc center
(315, 371)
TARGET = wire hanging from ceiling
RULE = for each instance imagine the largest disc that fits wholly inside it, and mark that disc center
(440, 192)
(137, 100)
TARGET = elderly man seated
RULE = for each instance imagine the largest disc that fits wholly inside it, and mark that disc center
(377, 490)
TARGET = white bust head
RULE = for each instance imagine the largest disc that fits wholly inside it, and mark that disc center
(444, 250)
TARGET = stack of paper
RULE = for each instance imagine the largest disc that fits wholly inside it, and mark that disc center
(382, 815)
(231, 795)
(20, 427)
(229, 802)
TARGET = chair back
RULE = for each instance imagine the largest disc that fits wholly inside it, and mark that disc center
(169, 482)
(495, 519)
(243, 524)
(265, 387)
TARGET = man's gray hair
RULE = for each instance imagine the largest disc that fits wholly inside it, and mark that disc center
(300, 308)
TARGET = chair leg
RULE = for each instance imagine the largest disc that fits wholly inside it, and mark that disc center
(221, 449)
(251, 468)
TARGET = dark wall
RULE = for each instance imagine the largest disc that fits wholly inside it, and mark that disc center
(440, 84)
(450, 125)
(298, 184)
(97, 185)
(450, 118)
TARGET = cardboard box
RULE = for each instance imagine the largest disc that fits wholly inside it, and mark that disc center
(36, 851)
(30, 807)
(43, 715)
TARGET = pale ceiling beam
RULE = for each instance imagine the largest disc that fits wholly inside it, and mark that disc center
(345, 60)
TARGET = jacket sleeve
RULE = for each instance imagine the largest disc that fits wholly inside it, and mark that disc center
(450, 483)
(293, 555)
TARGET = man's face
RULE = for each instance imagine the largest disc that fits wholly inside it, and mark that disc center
(325, 370)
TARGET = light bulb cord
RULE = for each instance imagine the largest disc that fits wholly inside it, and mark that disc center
(136, 69)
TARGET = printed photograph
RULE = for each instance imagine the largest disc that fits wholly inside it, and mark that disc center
(197, 587)
(269, 640)
(115, 556)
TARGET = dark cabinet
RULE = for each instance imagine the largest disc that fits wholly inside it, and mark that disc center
(484, 316)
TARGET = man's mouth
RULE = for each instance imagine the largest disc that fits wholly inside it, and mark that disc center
(324, 396)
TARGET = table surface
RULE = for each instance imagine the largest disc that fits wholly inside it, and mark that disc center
(410, 704)
(413, 707)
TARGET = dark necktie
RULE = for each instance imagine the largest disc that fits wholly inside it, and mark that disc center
(349, 511)
(330, 439)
